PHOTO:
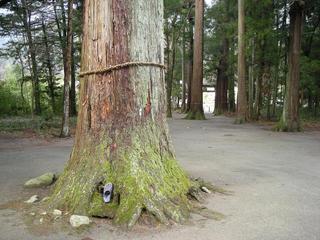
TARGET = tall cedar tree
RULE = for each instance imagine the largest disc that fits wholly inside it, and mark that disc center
(242, 95)
(196, 104)
(290, 117)
(122, 135)
(65, 130)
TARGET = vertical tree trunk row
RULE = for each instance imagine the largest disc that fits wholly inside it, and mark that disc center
(196, 104)
(65, 130)
(242, 93)
(290, 118)
(32, 53)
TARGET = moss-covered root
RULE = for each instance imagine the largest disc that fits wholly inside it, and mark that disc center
(146, 178)
(240, 120)
(200, 188)
(282, 126)
(207, 213)
(165, 212)
(195, 115)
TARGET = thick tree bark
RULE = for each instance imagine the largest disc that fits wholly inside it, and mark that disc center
(65, 129)
(242, 95)
(290, 117)
(122, 135)
(196, 104)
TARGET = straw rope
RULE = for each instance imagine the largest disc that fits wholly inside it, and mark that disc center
(121, 66)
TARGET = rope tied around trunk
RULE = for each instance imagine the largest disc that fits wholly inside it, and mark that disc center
(121, 66)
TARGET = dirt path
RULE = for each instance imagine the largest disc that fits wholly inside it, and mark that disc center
(274, 178)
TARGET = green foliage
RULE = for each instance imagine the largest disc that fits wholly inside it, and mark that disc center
(12, 103)
(310, 72)
(266, 37)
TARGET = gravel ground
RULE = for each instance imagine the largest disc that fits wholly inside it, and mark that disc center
(274, 179)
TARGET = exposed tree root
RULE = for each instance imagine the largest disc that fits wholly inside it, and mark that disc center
(240, 120)
(201, 184)
(207, 213)
(285, 126)
(195, 115)
(147, 180)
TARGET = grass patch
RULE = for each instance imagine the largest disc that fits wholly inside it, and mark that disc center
(37, 125)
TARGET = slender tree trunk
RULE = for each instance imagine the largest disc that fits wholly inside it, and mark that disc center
(286, 51)
(259, 81)
(49, 66)
(316, 105)
(217, 100)
(73, 101)
(32, 52)
(231, 84)
(267, 89)
(184, 73)
(190, 61)
(242, 95)
(122, 135)
(32, 84)
(22, 75)
(62, 30)
(251, 80)
(63, 39)
(65, 129)
(231, 95)
(170, 74)
(290, 117)
(278, 68)
(196, 104)
(221, 102)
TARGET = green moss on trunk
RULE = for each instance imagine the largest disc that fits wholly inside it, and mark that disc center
(143, 170)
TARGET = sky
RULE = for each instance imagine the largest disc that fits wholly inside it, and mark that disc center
(209, 2)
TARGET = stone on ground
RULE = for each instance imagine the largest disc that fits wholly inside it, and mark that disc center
(57, 212)
(77, 221)
(42, 181)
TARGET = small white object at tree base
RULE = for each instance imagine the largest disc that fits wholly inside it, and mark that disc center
(33, 199)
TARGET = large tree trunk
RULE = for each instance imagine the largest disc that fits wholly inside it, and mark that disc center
(65, 129)
(290, 117)
(196, 104)
(242, 95)
(122, 135)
